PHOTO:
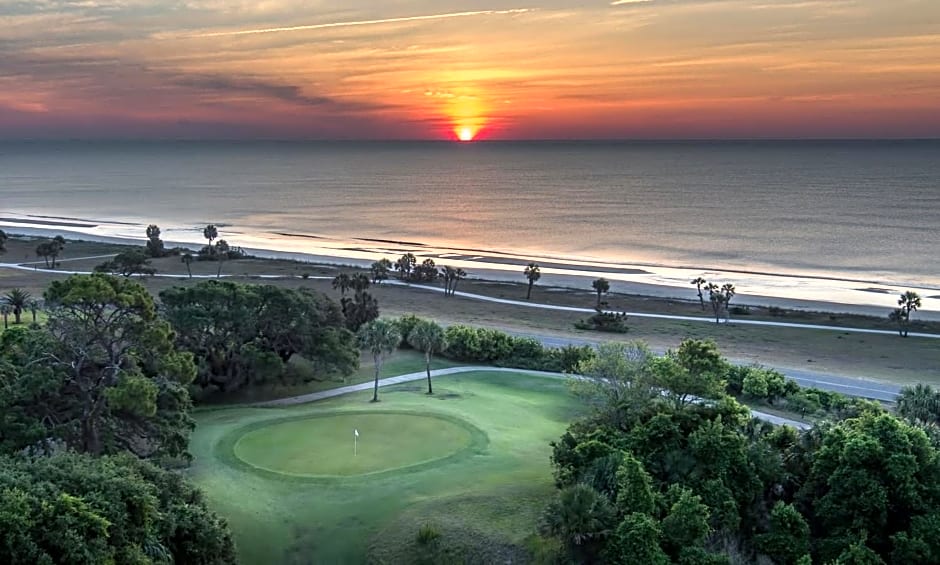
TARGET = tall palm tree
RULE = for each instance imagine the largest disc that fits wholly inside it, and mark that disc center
(34, 306)
(5, 311)
(380, 337)
(601, 286)
(211, 233)
(532, 273)
(222, 250)
(428, 337)
(909, 302)
(17, 299)
(459, 274)
(187, 259)
(727, 292)
(698, 282)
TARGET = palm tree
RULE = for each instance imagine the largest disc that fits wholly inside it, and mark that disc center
(17, 299)
(5, 311)
(919, 403)
(211, 233)
(532, 273)
(380, 337)
(600, 286)
(187, 259)
(698, 282)
(459, 274)
(428, 337)
(909, 302)
(727, 291)
(222, 250)
(3, 241)
(34, 305)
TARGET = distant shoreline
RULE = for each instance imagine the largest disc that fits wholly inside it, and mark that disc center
(495, 269)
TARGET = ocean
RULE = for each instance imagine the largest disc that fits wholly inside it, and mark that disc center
(851, 222)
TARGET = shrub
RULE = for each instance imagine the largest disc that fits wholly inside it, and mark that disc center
(427, 535)
(405, 325)
(567, 359)
(604, 322)
(776, 311)
(741, 310)
(463, 343)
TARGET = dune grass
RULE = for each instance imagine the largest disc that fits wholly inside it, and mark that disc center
(488, 498)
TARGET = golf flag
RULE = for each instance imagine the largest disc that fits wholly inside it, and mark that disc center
(356, 432)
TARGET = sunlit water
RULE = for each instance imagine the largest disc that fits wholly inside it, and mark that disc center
(812, 220)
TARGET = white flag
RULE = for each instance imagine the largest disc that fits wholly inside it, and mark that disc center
(356, 432)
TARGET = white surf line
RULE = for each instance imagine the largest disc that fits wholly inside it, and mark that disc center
(484, 298)
(421, 375)
(184, 276)
(698, 319)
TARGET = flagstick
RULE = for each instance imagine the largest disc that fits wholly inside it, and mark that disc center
(355, 446)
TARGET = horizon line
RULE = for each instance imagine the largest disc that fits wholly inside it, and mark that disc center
(456, 142)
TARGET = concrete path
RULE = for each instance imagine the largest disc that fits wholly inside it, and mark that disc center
(410, 377)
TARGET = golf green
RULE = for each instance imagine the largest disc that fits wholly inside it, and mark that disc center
(326, 445)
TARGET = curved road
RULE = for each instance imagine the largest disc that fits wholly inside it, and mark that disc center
(315, 396)
(851, 386)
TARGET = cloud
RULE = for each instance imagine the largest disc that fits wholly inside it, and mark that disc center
(449, 15)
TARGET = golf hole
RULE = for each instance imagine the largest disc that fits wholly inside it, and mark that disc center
(326, 445)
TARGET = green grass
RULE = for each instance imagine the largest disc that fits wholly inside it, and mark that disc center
(402, 361)
(326, 445)
(485, 497)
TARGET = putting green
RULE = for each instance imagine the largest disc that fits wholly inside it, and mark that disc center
(324, 445)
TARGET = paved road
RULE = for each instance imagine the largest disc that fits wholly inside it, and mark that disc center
(699, 319)
(526, 304)
(845, 385)
(850, 386)
(410, 377)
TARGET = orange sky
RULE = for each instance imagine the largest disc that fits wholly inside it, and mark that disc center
(422, 69)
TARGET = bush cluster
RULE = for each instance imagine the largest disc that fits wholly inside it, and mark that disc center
(770, 386)
(483, 345)
(611, 322)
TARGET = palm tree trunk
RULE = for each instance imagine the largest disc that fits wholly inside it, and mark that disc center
(17, 316)
(427, 360)
(189, 270)
(528, 294)
(375, 390)
(218, 273)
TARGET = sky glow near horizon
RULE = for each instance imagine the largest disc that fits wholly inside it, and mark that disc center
(415, 69)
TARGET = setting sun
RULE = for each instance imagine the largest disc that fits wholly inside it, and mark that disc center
(465, 133)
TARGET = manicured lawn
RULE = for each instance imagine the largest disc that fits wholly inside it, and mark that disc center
(472, 461)
(326, 444)
(402, 361)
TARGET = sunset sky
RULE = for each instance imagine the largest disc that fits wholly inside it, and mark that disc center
(391, 69)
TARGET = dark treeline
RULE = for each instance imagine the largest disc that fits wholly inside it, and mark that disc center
(669, 469)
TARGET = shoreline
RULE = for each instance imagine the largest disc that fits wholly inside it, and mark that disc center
(866, 297)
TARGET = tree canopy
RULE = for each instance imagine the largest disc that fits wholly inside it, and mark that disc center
(244, 335)
(72, 508)
(101, 376)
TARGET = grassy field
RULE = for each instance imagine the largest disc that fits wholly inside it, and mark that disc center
(880, 357)
(480, 476)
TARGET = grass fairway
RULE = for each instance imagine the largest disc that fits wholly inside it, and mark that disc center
(472, 460)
